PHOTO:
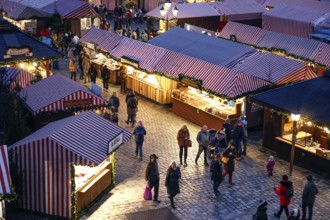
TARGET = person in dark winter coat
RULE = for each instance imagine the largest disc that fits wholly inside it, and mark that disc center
(285, 184)
(219, 142)
(261, 211)
(270, 166)
(105, 76)
(183, 138)
(216, 175)
(93, 73)
(308, 197)
(227, 126)
(238, 136)
(152, 175)
(139, 132)
(172, 181)
(203, 139)
(132, 108)
(114, 101)
(229, 167)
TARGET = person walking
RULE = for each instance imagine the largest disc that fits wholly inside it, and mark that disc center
(152, 175)
(270, 166)
(216, 175)
(203, 142)
(183, 138)
(105, 76)
(132, 108)
(93, 73)
(172, 182)
(73, 68)
(238, 136)
(86, 68)
(245, 131)
(229, 155)
(114, 101)
(227, 126)
(219, 142)
(308, 197)
(283, 191)
(261, 213)
(139, 133)
(80, 62)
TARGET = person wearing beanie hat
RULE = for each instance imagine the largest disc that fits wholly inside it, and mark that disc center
(294, 215)
(152, 175)
(282, 190)
(261, 211)
(308, 197)
(216, 175)
(220, 141)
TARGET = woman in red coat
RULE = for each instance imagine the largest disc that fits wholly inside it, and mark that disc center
(183, 138)
(285, 184)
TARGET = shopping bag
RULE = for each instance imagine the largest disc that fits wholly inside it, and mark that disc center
(147, 193)
(224, 160)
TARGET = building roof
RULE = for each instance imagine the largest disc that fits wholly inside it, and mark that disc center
(309, 98)
(193, 10)
(86, 134)
(216, 51)
(310, 4)
(5, 179)
(9, 75)
(298, 46)
(291, 19)
(51, 90)
(12, 37)
(24, 9)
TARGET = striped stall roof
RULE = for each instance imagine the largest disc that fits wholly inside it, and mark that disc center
(322, 54)
(310, 4)
(46, 156)
(239, 9)
(148, 55)
(275, 69)
(86, 134)
(5, 179)
(19, 9)
(244, 33)
(289, 19)
(104, 40)
(12, 75)
(51, 93)
(192, 10)
(200, 46)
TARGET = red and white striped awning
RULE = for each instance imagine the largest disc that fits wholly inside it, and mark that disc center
(83, 11)
(293, 20)
(86, 134)
(5, 179)
(275, 69)
(52, 93)
(14, 75)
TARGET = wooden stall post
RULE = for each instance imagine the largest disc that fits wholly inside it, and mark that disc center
(46, 66)
(295, 119)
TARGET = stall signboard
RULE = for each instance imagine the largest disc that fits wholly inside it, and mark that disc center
(190, 82)
(129, 61)
(115, 143)
(13, 51)
(80, 102)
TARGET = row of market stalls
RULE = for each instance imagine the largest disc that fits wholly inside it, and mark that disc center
(297, 115)
(309, 50)
(207, 88)
(212, 15)
(24, 57)
(31, 15)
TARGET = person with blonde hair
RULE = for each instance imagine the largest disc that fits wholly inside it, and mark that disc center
(172, 182)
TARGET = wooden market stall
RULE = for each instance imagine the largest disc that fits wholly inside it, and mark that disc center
(309, 99)
(12, 77)
(31, 15)
(67, 163)
(22, 51)
(56, 97)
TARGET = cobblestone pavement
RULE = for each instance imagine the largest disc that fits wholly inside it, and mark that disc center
(196, 200)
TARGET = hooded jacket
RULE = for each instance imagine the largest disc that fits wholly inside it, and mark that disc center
(310, 191)
(281, 191)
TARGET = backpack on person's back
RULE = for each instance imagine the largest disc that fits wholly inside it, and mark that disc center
(289, 190)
